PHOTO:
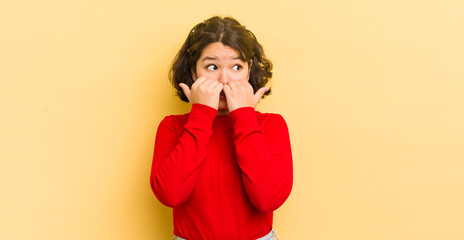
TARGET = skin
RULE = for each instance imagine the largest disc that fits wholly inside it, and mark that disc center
(222, 81)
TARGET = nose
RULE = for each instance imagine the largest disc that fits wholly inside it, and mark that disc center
(223, 77)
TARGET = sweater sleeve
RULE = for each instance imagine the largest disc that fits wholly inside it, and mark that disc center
(176, 160)
(264, 156)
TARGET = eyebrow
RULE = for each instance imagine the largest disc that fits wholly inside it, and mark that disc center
(215, 58)
(209, 58)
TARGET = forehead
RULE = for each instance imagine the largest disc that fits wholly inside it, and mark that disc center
(219, 50)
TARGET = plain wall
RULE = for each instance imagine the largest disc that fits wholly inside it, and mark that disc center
(372, 92)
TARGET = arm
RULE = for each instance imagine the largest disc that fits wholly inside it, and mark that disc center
(176, 161)
(265, 158)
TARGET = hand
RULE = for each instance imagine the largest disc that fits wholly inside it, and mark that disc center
(204, 91)
(240, 94)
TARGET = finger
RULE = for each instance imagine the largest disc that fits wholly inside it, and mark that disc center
(217, 87)
(186, 90)
(232, 84)
(227, 90)
(210, 85)
(259, 94)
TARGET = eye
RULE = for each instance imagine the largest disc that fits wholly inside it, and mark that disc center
(211, 67)
(237, 67)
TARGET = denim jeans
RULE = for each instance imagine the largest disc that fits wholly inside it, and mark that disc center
(269, 236)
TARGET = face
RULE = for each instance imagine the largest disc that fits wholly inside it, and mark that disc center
(221, 63)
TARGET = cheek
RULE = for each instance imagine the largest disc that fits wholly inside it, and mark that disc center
(204, 73)
(241, 76)
(209, 75)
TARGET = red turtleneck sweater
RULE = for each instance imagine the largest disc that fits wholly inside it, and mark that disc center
(223, 175)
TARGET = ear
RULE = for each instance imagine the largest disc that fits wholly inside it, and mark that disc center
(249, 69)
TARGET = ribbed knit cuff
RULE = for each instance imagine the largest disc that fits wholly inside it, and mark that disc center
(244, 120)
(202, 113)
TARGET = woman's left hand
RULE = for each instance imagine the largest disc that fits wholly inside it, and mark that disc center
(240, 94)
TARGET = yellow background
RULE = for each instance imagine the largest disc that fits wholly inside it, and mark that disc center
(372, 92)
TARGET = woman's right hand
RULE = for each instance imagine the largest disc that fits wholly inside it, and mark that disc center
(204, 91)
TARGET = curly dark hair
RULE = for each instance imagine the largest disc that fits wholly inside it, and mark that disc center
(229, 32)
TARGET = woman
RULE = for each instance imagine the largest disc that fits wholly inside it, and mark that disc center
(224, 167)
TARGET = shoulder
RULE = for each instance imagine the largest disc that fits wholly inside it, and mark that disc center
(270, 119)
(174, 121)
(261, 115)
